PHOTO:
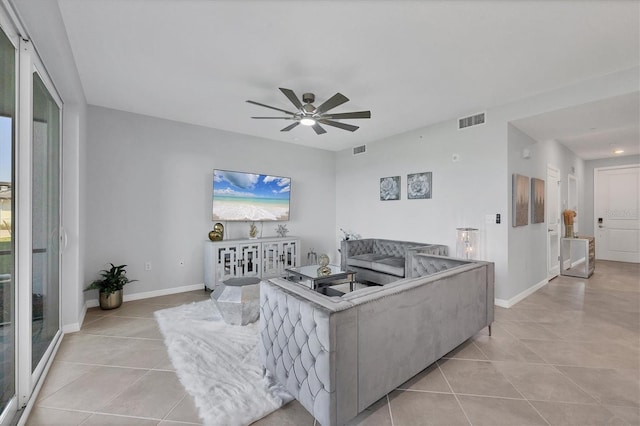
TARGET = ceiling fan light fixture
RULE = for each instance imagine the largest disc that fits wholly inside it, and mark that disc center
(310, 116)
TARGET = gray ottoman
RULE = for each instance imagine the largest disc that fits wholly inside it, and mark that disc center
(238, 300)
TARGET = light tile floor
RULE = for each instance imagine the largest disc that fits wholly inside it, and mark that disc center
(569, 354)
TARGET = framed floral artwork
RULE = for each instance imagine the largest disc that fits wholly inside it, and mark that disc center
(390, 188)
(419, 186)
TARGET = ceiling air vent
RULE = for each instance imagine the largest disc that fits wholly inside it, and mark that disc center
(472, 120)
(359, 150)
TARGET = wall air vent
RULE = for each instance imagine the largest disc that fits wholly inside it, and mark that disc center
(359, 150)
(472, 120)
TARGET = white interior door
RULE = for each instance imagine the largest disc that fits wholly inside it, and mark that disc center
(616, 208)
(554, 226)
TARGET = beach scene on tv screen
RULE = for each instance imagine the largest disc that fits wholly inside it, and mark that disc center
(250, 197)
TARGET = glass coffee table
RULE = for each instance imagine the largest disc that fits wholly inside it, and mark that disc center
(321, 282)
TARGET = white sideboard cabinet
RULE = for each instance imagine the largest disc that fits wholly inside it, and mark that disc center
(261, 258)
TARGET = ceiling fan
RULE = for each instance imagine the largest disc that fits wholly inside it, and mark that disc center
(309, 115)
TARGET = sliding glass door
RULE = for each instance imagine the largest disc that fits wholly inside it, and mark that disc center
(45, 223)
(7, 209)
(30, 141)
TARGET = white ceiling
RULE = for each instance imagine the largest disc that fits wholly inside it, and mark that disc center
(412, 63)
(592, 130)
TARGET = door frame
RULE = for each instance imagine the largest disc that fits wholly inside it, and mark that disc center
(12, 30)
(553, 233)
(595, 197)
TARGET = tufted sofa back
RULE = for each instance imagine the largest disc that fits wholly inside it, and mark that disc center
(356, 247)
(391, 248)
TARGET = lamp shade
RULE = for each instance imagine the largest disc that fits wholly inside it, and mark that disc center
(466, 243)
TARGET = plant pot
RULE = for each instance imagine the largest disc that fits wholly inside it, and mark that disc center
(110, 300)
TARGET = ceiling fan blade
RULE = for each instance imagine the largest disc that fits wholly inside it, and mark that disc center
(274, 118)
(292, 97)
(289, 127)
(318, 128)
(267, 106)
(357, 114)
(339, 125)
(332, 102)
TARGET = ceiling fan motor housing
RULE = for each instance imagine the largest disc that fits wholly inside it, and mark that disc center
(308, 98)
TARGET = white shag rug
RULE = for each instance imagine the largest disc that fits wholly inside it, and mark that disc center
(218, 365)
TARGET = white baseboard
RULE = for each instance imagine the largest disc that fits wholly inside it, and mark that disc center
(94, 303)
(72, 328)
(517, 298)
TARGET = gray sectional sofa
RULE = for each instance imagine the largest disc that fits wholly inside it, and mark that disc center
(339, 355)
(382, 261)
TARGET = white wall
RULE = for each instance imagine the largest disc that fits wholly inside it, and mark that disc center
(528, 244)
(464, 191)
(588, 222)
(149, 189)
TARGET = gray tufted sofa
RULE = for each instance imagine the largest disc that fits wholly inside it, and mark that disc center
(381, 261)
(339, 355)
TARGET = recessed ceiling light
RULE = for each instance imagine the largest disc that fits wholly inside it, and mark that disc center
(618, 151)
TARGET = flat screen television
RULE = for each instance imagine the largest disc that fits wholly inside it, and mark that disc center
(240, 196)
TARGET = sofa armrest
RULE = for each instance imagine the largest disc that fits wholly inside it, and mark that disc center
(410, 263)
(350, 248)
(419, 264)
(307, 341)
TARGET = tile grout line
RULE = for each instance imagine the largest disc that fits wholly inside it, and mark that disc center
(514, 386)
(454, 394)
(525, 398)
(555, 367)
(186, 394)
(480, 349)
(127, 388)
(389, 409)
(596, 403)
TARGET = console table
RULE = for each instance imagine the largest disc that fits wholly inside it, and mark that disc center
(578, 256)
(260, 258)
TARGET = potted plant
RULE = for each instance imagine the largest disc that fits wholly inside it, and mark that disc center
(110, 286)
